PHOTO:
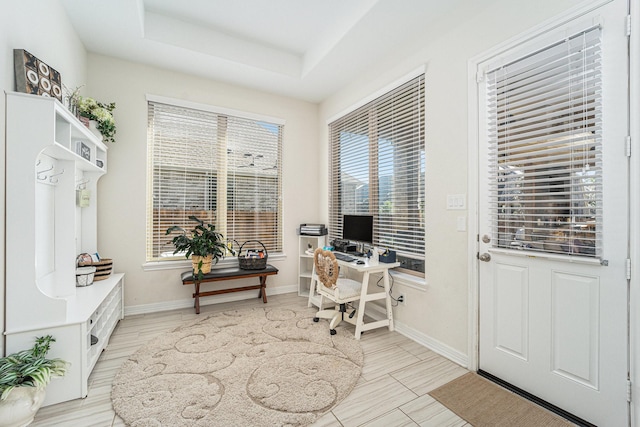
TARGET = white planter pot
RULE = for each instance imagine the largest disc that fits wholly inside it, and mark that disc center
(93, 127)
(21, 406)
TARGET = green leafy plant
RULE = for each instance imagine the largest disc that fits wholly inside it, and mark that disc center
(201, 240)
(30, 368)
(101, 113)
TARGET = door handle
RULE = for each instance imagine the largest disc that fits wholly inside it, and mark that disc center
(485, 257)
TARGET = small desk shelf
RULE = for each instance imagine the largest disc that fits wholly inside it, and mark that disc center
(305, 264)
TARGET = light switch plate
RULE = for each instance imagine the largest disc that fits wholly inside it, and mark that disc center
(456, 201)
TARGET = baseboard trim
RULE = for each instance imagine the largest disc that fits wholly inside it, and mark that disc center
(133, 310)
(378, 312)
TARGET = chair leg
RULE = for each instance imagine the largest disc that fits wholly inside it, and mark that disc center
(335, 321)
(337, 318)
(341, 312)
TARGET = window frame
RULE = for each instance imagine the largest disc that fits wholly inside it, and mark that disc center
(160, 263)
(539, 185)
(335, 210)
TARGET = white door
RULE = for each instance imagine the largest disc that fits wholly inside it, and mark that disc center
(553, 216)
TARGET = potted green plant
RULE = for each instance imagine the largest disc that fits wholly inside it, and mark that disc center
(101, 113)
(23, 378)
(202, 243)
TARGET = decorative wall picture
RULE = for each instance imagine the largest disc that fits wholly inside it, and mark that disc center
(34, 76)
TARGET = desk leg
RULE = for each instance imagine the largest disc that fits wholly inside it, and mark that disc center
(361, 304)
(263, 289)
(197, 297)
(387, 290)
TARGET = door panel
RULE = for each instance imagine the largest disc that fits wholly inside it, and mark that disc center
(511, 310)
(553, 303)
(575, 333)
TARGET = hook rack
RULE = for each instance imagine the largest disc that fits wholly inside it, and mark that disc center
(52, 177)
(44, 177)
(83, 183)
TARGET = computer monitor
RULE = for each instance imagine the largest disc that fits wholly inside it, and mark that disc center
(358, 228)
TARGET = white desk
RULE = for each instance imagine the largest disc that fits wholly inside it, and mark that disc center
(366, 269)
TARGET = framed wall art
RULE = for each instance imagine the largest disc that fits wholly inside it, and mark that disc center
(36, 77)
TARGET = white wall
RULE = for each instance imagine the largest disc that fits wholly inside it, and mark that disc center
(438, 313)
(122, 191)
(44, 30)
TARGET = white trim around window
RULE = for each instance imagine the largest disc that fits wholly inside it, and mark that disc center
(377, 94)
(214, 109)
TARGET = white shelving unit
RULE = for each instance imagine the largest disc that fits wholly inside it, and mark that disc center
(305, 264)
(50, 155)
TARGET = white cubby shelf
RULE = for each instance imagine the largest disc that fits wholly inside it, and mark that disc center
(45, 231)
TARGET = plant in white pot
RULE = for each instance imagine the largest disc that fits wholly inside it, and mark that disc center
(101, 113)
(23, 378)
(202, 243)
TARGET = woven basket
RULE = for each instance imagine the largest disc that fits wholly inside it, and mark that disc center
(245, 262)
(206, 263)
(103, 268)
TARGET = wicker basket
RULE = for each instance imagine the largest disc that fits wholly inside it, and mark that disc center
(247, 261)
(85, 276)
(103, 268)
(206, 263)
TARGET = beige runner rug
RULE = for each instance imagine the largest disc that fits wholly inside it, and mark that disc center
(483, 403)
(262, 367)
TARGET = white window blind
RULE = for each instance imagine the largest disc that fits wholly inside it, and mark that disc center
(545, 149)
(222, 169)
(377, 167)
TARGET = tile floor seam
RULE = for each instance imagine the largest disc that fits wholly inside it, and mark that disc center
(409, 416)
(405, 367)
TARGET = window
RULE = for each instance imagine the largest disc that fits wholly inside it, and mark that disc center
(378, 168)
(221, 168)
(545, 149)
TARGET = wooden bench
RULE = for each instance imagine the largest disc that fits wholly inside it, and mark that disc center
(220, 274)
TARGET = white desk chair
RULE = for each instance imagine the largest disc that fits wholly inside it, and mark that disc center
(340, 290)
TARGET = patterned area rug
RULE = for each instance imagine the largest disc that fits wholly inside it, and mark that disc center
(261, 367)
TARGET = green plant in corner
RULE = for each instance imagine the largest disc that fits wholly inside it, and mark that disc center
(101, 113)
(202, 243)
(30, 368)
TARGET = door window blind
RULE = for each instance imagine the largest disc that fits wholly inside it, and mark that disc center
(222, 169)
(377, 167)
(545, 149)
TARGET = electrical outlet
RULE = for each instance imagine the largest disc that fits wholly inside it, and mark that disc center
(402, 299)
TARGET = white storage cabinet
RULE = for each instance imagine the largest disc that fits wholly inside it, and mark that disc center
(50, 155)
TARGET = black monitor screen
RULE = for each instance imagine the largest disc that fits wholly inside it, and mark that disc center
(358, 228)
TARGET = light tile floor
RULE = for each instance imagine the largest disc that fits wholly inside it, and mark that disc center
(392, 391)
